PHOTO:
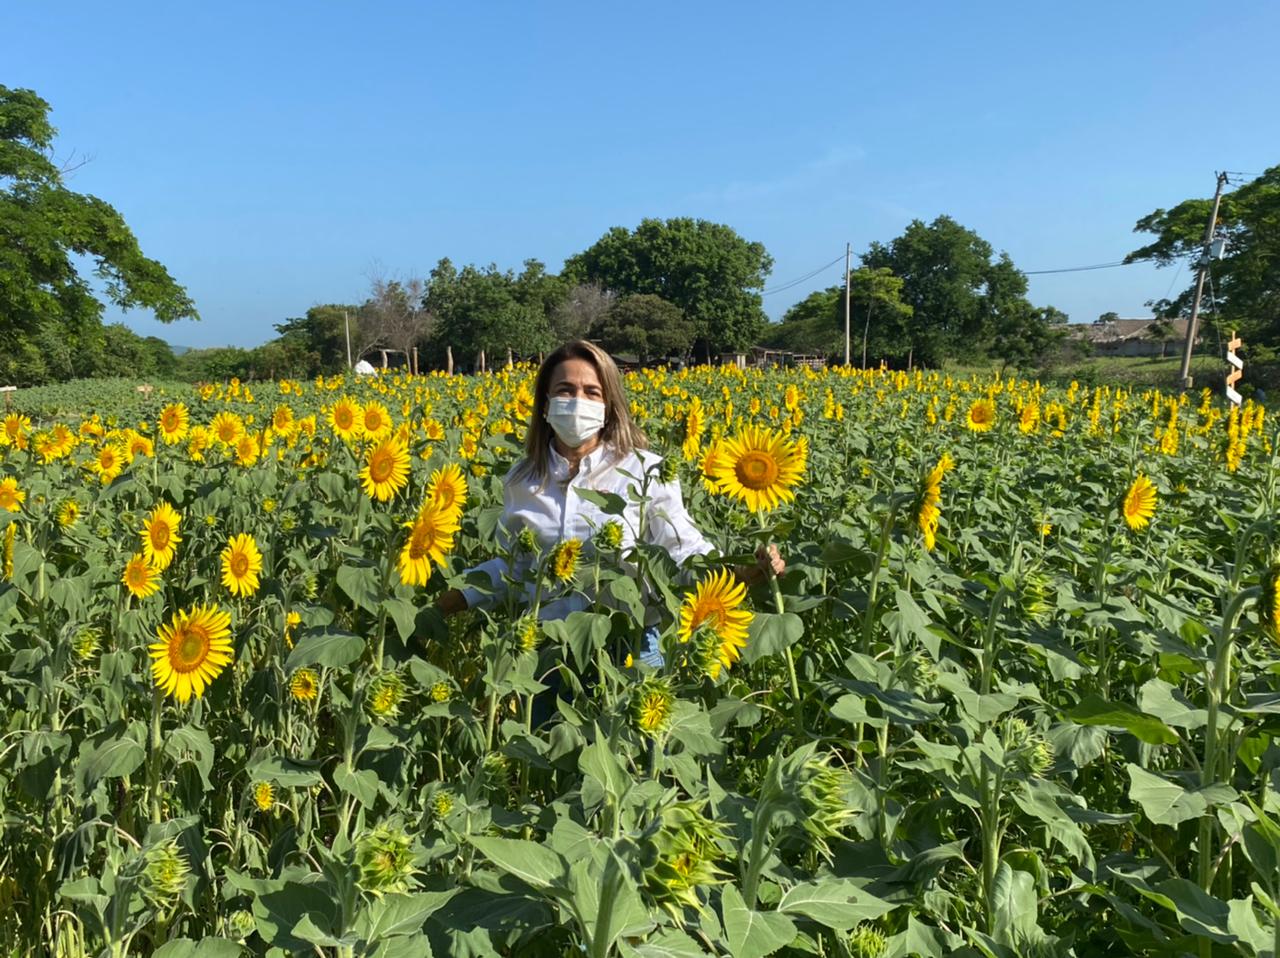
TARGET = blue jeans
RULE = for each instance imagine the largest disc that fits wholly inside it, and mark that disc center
(651, 654)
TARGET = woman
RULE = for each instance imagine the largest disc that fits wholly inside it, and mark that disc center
(581, 436)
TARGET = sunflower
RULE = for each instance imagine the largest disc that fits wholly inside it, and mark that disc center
(109, 462)
(227, 428)
(282, 418)
(291, 622)
(447, 488)
(1139, 503)
(241, 563)
(1269, 602)
(11, 497)
(651, 706)
(564, 559)
(305, 685)
(375, 421)
(1029, 418)
(248, 450)
(345, 417)
(138, 445)
(16, 427)
(174, 422)
(160, 536)
(386, 469)
(430, 540)
(715, 606)
(192, 651)
(981, 416)
(68, 513)
(264, 796)
(758, 466)
(140, 577)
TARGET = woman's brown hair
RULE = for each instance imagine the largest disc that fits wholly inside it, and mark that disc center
(621, 434)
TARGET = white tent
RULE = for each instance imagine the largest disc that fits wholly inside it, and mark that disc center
(365, 368)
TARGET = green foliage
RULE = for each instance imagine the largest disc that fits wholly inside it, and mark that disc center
(965, 305)
(706, 269)
(50, 319)
(816, 323)
(646, 326)
(1246, 282)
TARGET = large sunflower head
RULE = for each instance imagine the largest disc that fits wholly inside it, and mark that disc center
(447, 487)
(345, 417)
(716, 606)
(1139, 503)
(160, 536)
(192, 651)
(759, 466)
(304, 686)
(375, 421)
(140, 577)
(241, 565)
(430, 540)
(227, 428)
(109, 461)
(386, 469)
(981, 416)
(174, 422)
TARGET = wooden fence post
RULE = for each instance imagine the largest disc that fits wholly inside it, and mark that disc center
(1237, 368)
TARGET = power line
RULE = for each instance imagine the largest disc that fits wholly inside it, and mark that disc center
(807, 276)
(1080, 269)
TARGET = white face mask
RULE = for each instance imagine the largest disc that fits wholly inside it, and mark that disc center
(575, 421)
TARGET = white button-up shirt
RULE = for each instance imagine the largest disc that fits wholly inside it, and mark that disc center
(555, 512)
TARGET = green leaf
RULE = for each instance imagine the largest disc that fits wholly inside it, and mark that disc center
(750, 933)
(360, 783)
(531, 863)
(190, 744)
(1120, 715)
(1167, 703)
(397, 914)
(599, 761)
(610, 503)
(1197, 912)
(836, 903)
(360, 583)
(404, 613)
(1167, 803)
(325, 646)
(665, 943)
(1014, 903)
(770, 633)
(286, 772)
(112, 759)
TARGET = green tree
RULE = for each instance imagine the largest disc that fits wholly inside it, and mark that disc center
(647, 326)
(1246, 281)
(318, 340)
(707, 270)
(876, 310)
(965, 304)
(50, 319)
(490, 311)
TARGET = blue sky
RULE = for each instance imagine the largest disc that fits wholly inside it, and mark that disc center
(274, 155)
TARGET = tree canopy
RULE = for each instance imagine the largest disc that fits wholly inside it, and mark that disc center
(965, 304)
(50, 318)
(646, 326)
(816, 323)
(1246, 281)
(707, 270)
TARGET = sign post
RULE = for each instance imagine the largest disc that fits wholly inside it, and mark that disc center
(1236, 369)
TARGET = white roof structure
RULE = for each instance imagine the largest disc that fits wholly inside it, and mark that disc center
(365, 368)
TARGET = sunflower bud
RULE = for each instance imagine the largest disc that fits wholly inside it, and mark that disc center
(526, 540)
(288, 520)
(441, 691)
(310, 584)
(669, 470)
(824, 796)
(241, 924)
(684, 851)
(385, 859)
(164, 874)
(264, 796)
(384, 695)
(867, 942)
(441, 805)
(496, 769)
(609, 536)
(528, 633)
(304, 686)
(85, 643)
(651, 706)
(1269, 603)
(1034, 596)
(1026, 748)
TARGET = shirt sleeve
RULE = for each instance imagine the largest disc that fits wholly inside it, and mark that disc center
(497, 567)
(670, 526)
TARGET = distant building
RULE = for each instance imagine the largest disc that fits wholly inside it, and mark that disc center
(1132, 337)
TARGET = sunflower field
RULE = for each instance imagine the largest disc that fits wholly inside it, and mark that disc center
(1017, 692)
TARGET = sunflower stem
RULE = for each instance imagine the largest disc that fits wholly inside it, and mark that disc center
(153, 756)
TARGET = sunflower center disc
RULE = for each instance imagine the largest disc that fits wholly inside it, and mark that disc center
(756, 470)
(191, 649)
(380, 468)
(160, 537)
(239, 565)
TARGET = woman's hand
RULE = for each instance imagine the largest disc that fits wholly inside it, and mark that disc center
(768, 562)
(451, 603)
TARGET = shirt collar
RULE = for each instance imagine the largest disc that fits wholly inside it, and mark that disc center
(560, 465)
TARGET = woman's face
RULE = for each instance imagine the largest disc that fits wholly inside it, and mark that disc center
(576, 379)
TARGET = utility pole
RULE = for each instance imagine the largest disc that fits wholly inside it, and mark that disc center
(1193, 324)
(346, 322)
(847, 297)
